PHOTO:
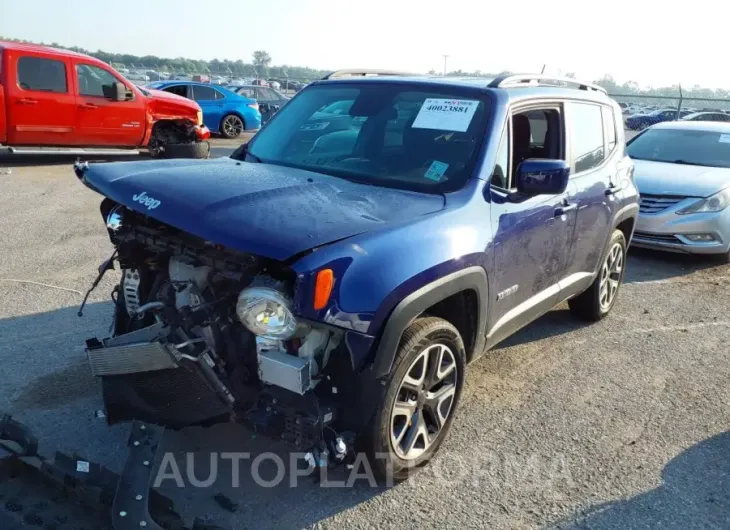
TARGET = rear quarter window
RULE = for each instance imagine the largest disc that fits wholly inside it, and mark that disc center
(586, 126)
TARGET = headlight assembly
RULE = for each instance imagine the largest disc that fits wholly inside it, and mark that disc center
(266, 312)
(715, 203)
(115, 219)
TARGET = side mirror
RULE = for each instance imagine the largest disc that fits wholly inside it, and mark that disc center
(542, 176)
(115, 91)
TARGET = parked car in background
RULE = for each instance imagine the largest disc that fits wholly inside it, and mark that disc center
(224, 111)
(683, 175)
(259, 82)
(51, 98)
(269, 100)
(333, 299)
(706, 116)
(642, 121)
(273, 83)
(138, 76)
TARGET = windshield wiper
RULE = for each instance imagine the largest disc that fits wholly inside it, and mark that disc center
(242, 152)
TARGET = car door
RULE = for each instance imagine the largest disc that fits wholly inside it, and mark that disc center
(593, 144)
(102, 121)
(532, 235)
(41, 105)
(211, 102)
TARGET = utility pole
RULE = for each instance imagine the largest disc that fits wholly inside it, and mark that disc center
(445, 58)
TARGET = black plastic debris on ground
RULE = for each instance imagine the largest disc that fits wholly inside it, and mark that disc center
(67, 492)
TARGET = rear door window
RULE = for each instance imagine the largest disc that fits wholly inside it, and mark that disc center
(586, 127)
(264, 94)
(247, 92)
(178, 90)
(43, 75)
(203, 93)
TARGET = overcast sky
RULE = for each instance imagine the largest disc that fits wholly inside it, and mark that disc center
(649, 41)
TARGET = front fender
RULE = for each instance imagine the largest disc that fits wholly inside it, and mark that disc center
(472, 278)
(376, 270)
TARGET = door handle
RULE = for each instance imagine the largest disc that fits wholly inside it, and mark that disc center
(565, 208)
(88, 106)
(27, 101)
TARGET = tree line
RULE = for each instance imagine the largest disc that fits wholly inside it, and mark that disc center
(260, 66)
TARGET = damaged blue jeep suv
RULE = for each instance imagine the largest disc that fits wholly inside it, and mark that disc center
(329, 282)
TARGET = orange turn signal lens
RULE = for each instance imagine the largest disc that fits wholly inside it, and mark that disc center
(323, 288)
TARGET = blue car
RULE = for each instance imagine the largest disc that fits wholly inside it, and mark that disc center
(329, 283)
(224, 111)
(639, 122)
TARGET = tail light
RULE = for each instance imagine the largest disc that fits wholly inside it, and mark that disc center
(254, 106)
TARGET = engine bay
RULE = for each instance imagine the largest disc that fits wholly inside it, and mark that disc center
(202, 334)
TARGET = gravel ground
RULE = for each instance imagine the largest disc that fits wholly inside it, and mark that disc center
(621, 424)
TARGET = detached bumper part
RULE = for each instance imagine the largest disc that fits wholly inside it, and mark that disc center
(71, 492)
(201, 132)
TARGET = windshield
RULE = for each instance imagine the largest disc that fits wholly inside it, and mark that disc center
(385, 134)
(689, 146)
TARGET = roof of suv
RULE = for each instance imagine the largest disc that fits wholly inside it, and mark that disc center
(516, 90)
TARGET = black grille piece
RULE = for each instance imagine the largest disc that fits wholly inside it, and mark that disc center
(175, 398)
(659, 238)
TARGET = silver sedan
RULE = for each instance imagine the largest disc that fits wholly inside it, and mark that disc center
(682, 170)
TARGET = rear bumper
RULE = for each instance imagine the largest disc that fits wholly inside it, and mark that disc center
(668, 231)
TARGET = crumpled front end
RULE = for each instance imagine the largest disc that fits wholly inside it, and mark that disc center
(202, 334)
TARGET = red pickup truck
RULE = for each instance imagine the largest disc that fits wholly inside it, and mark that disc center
(60, 101)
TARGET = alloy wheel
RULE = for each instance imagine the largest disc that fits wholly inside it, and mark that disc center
(232, 126)
(611, 272)
(423, 402)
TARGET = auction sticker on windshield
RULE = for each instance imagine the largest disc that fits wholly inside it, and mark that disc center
(724, 139)
(446, 114)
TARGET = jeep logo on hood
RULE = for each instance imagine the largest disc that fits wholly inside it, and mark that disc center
(143, 199)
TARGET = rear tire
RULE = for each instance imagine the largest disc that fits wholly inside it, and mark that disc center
(417, 400)
(597, 301)
(189, 150)
(232, 126)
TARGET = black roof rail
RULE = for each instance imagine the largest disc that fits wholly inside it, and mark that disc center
(516, 80)
(363, 72)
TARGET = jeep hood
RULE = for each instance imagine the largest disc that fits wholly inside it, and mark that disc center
(263, 209)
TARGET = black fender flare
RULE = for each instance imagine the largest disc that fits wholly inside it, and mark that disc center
(472, 278)
(627, 212)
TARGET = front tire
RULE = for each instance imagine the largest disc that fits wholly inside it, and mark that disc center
(597, 301)
(232, 126)
(417, 400)
(189, 150)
